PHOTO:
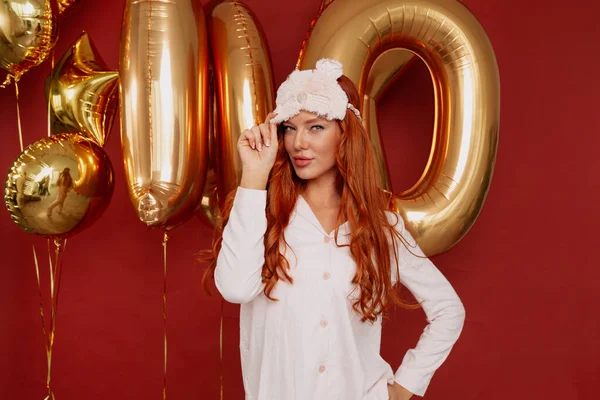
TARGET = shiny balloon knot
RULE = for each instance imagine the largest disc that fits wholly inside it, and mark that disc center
(149, 209)
(57, 245)
(7, 81)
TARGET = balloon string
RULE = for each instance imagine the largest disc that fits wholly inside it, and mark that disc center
(54, 290)
(55, 278)
(37, 275)
(165, 240)
(19, 116)
(221, 347)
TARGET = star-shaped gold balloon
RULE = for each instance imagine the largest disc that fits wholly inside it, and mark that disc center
(83, 92)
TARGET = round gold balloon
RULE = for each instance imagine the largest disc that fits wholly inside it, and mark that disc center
(244, 85)
(59, 186)
(28, 31)
(375, 40)
(83, 92)
(163, 71)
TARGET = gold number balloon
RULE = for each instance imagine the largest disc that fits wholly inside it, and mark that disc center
(209, 205)
(83, 92)
(59, 185)
(28, 31)
(163, 71)
(375, 39)
(244, 84)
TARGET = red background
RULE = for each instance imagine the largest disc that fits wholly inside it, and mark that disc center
(525, 272)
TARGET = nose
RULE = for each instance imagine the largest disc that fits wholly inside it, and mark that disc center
(300, 139)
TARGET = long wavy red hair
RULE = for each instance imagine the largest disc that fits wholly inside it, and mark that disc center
(363, 205)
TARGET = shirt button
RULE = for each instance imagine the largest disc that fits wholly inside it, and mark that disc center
(324, 323)
(321, 368)
(327, 239)
(326, 275)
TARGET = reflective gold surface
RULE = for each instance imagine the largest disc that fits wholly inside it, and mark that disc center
(83, 92)
(375, 40)
(63, 5)
(163, 70)
(28, 32)
(59, 185)
(244, 85)
(209, 205)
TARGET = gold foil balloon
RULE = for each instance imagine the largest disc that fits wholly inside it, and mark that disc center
(244, 85)
(28, 31)
(209, 205)
(83, 92)
(163, 70)
(375, 40)
(63, 5)
(59, 186)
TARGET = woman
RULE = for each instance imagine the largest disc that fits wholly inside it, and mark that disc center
(306, 245)
(64, 184)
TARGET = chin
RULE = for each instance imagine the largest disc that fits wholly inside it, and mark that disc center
(305, 173)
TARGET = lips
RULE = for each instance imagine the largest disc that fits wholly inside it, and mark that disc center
(302, 161)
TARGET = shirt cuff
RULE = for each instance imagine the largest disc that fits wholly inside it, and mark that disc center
(413, 381)
(250, 195)
(248, 213)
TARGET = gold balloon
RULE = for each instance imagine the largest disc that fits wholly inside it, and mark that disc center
(63, 5)
(28, 31)
(59, 186)
(375, 40)
(210, 210)
(83, 92)
(209, 205)
(244, 85)
(163, 70)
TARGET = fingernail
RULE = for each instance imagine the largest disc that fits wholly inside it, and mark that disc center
(268, 143)
(253, 145)
(259, 147)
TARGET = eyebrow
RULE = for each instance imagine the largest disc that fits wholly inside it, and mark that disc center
(310, 121)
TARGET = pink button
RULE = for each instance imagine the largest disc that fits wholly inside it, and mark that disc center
(326, 275)
(322, 368)
(327, 239)
(324, 323)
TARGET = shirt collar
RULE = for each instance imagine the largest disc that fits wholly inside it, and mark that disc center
(303, 209)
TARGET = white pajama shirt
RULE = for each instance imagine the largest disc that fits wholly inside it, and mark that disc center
(311, 344)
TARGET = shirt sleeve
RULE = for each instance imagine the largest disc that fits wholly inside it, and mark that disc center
(442, 306)
(238, 274)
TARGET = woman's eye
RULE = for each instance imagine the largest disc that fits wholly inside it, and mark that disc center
(286, 128)
(319, 127)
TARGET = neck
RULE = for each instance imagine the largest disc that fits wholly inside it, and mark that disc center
(322, 192)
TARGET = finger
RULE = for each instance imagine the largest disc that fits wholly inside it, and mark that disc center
(257, 138)
(270, 117)
(272, 134)
(249, 137)
(266, 135)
